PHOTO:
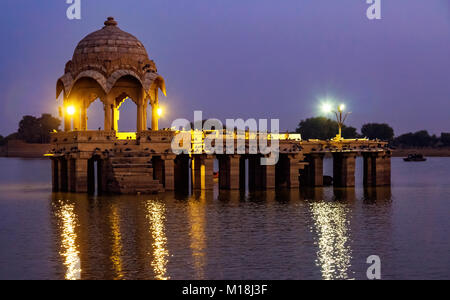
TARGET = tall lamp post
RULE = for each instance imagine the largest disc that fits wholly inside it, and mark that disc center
(341, 117)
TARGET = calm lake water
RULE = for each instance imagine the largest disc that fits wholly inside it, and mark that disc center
(321, 233)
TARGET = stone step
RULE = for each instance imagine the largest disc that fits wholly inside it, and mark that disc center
(133, 171)
(130, 159)
(132, 166)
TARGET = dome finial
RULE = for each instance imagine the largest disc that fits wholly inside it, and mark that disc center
(110, 22)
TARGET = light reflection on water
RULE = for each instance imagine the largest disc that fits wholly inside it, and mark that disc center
(116, 256)
(67, 220)
(322, 233)
(156, 217)
(331, 225)
(197, 234)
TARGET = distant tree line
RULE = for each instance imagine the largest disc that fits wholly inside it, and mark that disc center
(325, 129)
(34, 130)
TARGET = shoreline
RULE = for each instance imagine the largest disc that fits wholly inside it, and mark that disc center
(25, 151)
(427, 152)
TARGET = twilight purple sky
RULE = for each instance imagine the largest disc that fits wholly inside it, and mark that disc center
(247, 58)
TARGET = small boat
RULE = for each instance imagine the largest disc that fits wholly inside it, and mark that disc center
(415, 157)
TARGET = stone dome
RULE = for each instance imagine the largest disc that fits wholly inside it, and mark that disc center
(105, 56)
(110, 43)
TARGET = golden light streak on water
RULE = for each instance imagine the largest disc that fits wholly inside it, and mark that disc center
(116, 257)
(156, 217)
(69, 252)
(331, 226)
(196, 209)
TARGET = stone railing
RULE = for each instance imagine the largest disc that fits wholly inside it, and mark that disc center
(150, 136)
(345, 145)
(83, 137)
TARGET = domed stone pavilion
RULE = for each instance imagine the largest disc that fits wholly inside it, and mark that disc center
(111, 65)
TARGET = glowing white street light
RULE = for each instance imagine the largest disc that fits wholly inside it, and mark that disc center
(327, 108)
(341, 117)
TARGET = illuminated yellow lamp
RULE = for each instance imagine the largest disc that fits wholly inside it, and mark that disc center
(342, 107)
(71, 110)
(159, 111)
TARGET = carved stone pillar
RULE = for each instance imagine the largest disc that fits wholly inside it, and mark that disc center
(108, 117)
(84, 105)
(155, 117)
(140, 114)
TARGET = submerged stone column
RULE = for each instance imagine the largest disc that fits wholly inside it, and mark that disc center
(255, 173)
(208, 161)
(55, 175)
(294, 172)
(369, 168)
(261, 177)
(196, 172)
(63, 175)
(242, 173)
(387, 168)
(377, 168)
(229, 172)
(314, 170)
(269, 177)
(203, 172)
(181, 172)
(81, 175)
(71, 175)
(169, 172)
(344, 169)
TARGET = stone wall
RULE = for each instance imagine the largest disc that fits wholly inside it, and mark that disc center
(22, 149)
(3, 151)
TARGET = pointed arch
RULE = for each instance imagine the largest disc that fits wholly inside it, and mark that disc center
(64, 84)
(154, 81)
(117, 75)
(95, 75)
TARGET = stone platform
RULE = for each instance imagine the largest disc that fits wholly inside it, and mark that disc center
(97, 161)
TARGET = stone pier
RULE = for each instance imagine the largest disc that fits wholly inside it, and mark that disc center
(169, 172)
(314, 170)
(230, 172)
(344, 164)
(377, 168)
(203, 172)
